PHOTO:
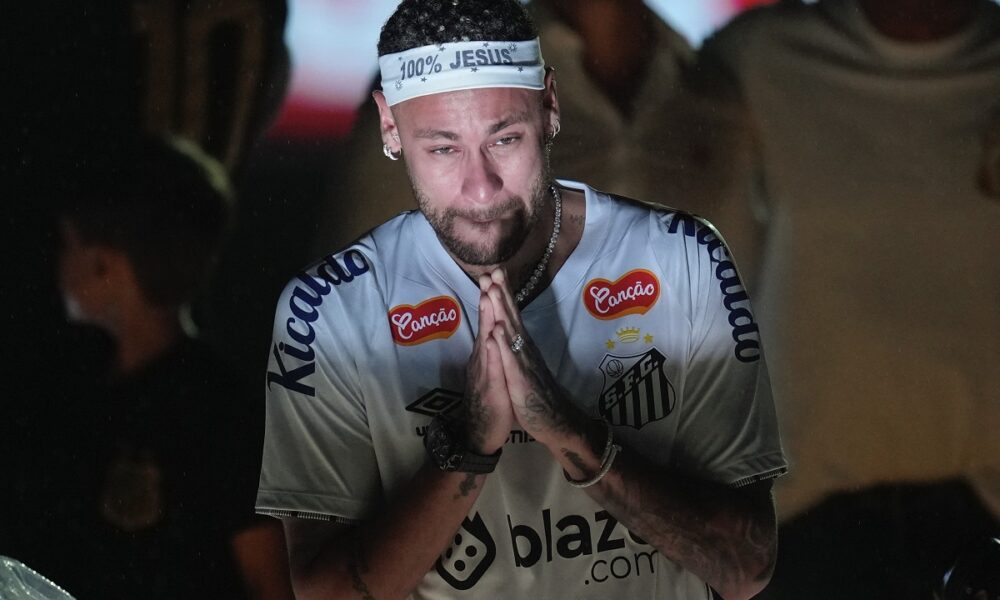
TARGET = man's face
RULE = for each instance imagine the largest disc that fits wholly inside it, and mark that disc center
(477, 162)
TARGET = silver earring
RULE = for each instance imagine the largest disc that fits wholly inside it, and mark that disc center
(390, 154)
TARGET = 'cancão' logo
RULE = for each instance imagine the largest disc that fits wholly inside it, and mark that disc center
(433, 319)
(634, 293)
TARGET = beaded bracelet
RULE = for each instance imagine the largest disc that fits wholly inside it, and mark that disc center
(611, 450)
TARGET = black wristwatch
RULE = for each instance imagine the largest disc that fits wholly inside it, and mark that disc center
(446, 446)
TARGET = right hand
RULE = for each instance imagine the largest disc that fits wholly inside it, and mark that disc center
(489, 416)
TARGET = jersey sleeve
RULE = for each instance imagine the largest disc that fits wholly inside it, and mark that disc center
(727, 428)
(318, 459)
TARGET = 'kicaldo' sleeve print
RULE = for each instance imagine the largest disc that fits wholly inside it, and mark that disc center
(727, 430)
(318, 459)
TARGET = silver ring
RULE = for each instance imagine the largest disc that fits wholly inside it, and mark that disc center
(517, 344)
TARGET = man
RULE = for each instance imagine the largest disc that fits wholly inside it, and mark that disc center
(143, 471)
(861, 132)
(617, 62)
(584, 371)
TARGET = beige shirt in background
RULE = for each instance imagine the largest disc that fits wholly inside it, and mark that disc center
(845, 169)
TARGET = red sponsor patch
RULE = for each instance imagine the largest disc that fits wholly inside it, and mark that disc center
(433, 319)
(633, 293)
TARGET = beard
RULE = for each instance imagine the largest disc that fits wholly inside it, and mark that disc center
(486, 250)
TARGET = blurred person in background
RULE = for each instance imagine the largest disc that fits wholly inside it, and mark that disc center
(215, 71)
(143, 486)
(845, 148)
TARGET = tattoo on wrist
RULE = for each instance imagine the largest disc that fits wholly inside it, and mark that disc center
(356, 567)
(547, 411)
(477, 418)
(465, 488)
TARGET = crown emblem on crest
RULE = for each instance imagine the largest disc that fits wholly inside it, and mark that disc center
(628, 334)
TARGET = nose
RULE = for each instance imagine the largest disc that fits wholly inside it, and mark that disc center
(482, 179)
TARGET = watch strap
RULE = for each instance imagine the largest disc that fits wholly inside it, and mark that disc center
(478, 463)
(446, 447)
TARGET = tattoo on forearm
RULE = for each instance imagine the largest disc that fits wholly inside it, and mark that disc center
(357, 566)
(478, 418)
(465, 488)
(549, 412)
(696, 528)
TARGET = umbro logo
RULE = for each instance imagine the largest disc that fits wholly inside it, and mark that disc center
(435, 402)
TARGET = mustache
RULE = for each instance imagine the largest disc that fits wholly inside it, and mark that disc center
(487, 213)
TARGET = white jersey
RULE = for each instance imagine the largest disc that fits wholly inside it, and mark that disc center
(645, 325)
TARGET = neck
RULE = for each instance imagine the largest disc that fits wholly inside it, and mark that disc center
(143, 334)
(918, 21)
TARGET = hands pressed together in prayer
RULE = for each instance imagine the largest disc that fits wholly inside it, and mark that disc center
(504, 385)
(724, 535)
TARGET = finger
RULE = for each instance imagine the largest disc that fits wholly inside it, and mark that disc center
(486, 325)
(500, 279)
(484, 282)
(494, 365)
(511, 366)
(503, 317)
(498, 276)
(487, 315)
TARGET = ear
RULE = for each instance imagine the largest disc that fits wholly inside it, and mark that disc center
(387, 123)
(550, 103)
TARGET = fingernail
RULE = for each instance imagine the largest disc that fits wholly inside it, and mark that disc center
(498, 275)
(484, 282)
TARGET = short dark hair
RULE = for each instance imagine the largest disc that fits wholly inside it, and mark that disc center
(162, 202)
(419, 23)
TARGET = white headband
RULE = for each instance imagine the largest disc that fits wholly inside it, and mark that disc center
(461, 66)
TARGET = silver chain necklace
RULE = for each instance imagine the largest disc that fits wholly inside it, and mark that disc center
(522, 294)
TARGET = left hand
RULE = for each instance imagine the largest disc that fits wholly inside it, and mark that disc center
(539, 404)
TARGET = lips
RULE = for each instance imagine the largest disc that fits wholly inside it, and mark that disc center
(634, 293)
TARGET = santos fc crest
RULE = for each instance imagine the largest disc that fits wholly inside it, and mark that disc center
(636, 389)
